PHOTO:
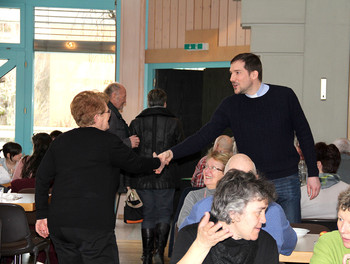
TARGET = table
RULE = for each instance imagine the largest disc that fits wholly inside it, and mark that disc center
(303, 250)
(27, 201)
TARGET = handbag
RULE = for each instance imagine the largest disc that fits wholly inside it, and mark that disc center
(133, 208)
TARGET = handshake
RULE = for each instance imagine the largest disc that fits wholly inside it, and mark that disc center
(164, 157)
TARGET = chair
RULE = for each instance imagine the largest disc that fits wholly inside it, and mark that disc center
(16, 238)
(31, 217)
(314, 228)
(330, 223)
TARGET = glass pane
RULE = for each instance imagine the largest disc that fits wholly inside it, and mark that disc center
(74, 24)
(7, 107)
(59, 77)
(9, 25)
(2, 62)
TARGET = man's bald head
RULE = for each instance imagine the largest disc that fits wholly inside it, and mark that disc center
(240, 162)
(223, 144)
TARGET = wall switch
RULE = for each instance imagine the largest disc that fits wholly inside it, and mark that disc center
(323, 88)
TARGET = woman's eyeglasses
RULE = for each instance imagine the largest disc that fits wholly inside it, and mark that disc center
(212, 168)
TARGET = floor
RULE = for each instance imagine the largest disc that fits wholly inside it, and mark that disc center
(129, 244)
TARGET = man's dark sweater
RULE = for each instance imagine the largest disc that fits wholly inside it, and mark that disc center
(263, 128)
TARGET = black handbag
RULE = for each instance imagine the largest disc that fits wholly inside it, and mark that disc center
(133, 208)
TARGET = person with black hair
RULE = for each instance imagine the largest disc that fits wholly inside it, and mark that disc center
(12, 154)
(24, 175)
(54, 134)
(158, 130)
(324, 205)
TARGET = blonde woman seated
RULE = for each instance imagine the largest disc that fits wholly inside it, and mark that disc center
(334, 247)
(213, 172)
(233, 232)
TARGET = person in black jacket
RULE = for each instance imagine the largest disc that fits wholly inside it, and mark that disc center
(81, 164)
(158, 130)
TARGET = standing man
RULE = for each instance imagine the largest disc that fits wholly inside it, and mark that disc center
(264, 119)
(117, 125)
(158, 130)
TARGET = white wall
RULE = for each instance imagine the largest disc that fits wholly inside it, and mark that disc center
(299, 42)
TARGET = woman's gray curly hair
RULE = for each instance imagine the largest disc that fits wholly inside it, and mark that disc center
(235, 190)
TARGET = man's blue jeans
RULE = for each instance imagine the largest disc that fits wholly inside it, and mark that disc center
(288, 191)
(157, 206)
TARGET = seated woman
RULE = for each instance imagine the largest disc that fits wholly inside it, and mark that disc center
(334, 247)
(24, 175)
(213, 172)
(324, 205)
(238, 211)
(12, 154)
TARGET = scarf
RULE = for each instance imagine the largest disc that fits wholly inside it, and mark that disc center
(328, 179)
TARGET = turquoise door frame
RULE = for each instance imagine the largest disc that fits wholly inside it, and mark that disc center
(150, 71)
(21, 56)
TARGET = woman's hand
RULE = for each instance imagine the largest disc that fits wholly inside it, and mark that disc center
(346, 259)
(207, 237)
(208, 234)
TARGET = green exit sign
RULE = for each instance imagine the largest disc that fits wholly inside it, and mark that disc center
(196, 46)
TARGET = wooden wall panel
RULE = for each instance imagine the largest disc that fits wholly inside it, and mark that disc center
(214, 22)
(240, 36)
(232, 23)
(151, 12)
(166, 24)
(223, 23)
(182, 23)
(169, 20)
(174, 23)
(189, 14)
(198, 14)
(206, 18)
(158, 24)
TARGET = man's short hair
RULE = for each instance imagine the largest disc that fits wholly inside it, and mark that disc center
(156, 97)
(251, 63)
(111, 88)
(329, 156)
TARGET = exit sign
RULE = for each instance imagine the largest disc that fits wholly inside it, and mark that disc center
(196, 46)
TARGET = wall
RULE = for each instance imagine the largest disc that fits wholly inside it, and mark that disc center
(300, 42)
(132, 55)
(170, 24)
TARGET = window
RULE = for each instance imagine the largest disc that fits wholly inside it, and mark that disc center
(7, 106)
(9, 25)
(74, 51)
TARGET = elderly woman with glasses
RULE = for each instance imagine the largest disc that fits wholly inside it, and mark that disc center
(232, 232)
(213, 172)
(334, 247)
(82, 165)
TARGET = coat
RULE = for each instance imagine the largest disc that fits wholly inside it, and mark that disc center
(158, 130)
